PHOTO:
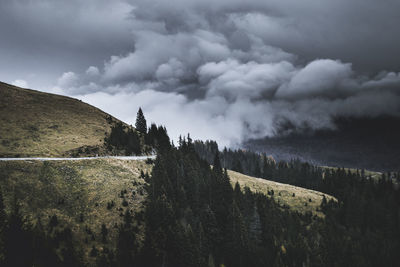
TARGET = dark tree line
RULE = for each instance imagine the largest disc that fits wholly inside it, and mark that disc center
(293, 172)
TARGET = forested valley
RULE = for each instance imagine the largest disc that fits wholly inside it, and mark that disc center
(193, 217)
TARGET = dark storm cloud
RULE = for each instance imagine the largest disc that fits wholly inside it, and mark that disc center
(226, 70)
(364, 32)
(40, 39)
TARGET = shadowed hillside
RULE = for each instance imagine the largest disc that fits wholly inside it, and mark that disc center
(82, 195)
(34, 123)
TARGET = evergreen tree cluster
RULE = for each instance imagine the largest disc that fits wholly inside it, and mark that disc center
(124, 139)
(157, 137)
(364, 226)
(195, 218)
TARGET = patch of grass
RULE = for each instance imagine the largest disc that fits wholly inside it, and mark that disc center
(296, 198)
(79, 193)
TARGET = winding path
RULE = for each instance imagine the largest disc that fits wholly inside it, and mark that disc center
(84, 158)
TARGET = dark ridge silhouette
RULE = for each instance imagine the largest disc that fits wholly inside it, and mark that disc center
(370, 143)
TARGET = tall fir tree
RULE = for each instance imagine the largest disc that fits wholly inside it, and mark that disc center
(3, 217)
(18, 238)
(141, 124)
(217, 164)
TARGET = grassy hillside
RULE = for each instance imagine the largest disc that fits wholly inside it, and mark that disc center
(69, 188)
(34, 123)
(79, 193)
(294, 197)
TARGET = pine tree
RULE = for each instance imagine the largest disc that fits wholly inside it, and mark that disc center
(217, 165)
(237, 166)
(126, 241)
(3, 217)
(141, 124)
(255, 230)
(3, 214)
(104, 233)
(17, 238)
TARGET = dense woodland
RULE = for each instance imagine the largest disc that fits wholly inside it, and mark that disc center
(367, 215)
(193, 217)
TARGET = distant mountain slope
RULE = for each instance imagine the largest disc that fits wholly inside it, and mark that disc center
(34, 123)
(369, 143)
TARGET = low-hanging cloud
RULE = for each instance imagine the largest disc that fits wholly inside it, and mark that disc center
(245, 100)
(232, 71)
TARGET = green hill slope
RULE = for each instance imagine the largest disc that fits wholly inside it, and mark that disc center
(34, 123)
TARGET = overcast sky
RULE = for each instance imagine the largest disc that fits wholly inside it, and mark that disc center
(224, 70)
